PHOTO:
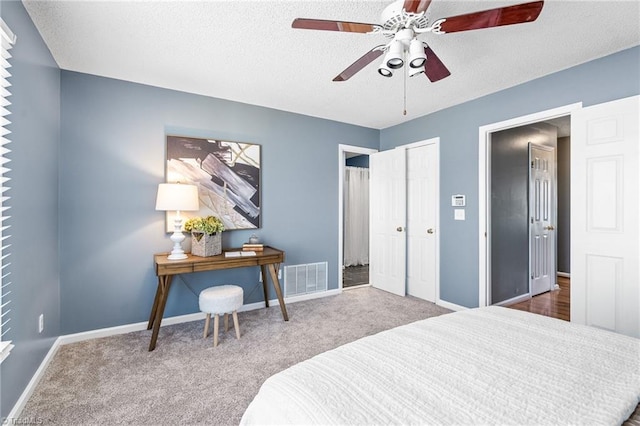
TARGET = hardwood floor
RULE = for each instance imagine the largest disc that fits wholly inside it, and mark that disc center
(552, 304)
(355, 275)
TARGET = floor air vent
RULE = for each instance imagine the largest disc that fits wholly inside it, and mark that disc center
(305, 279)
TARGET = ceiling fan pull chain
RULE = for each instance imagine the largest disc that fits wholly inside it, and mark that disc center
(405, 89)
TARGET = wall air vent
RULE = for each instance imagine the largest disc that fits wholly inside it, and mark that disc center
(305, 279)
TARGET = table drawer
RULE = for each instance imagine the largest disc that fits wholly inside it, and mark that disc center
(169, 269)
(217, 265)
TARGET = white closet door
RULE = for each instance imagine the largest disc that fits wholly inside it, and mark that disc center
(388, 201)
(605, 235)
(422, 214)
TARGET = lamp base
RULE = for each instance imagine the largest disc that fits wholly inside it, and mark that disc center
(177, 256)
(177, 237)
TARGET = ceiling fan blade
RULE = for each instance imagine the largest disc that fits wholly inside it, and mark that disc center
(416, 6)
(321, 24)
(518, 14)
(434, 69)
(365, 60)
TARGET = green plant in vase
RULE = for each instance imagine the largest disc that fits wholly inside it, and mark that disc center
(206, 235)
(208, 225)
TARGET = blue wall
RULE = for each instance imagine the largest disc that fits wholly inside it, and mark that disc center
(34, 204)
(605, 79)
(112, 157)
(89, 154)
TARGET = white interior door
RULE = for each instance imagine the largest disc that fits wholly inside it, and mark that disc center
(542, 208)
(604, 216)
(422, 205)
(387, 267)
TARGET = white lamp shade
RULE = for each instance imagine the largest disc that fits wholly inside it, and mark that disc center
(384, 70)
(177, 196)
(415, 71)
(393, 58)
(417, 57)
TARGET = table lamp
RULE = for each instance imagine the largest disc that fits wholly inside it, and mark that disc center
(178, 197)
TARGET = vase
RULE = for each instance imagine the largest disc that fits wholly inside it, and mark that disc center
(204, 245)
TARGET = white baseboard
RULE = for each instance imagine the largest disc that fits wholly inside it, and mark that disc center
(563, 274)
(28, 391)
(197, 316)
(514, 300)
(139, 326)
(450, 305)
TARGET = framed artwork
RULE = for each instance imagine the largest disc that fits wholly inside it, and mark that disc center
(227, 175)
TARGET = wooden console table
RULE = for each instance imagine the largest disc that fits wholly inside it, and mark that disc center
(269, 259)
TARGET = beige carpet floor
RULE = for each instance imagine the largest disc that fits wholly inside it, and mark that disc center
(115, 380)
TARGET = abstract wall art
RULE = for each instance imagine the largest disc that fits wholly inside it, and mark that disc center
(227, 174)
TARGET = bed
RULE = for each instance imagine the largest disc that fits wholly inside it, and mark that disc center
(488, 365)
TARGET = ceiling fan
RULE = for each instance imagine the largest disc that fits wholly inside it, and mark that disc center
(403, 21)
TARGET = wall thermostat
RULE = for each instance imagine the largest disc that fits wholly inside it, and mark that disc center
(458, 200)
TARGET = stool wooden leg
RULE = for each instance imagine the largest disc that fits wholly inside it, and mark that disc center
(206, 326)
(216, 324)
(235, 324)
(226, 322)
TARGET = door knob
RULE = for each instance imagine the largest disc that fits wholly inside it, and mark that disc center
(549, 228)
(430, 231)
(399, 229)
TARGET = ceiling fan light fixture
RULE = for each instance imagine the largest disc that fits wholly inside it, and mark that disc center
(415, 71)
(417, 57)
(404, 20)
(394, 57)
(384, 71)
(395, 63)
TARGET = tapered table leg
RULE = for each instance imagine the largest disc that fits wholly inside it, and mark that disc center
(164, 283)
(265, 287)
(154, 308)
(276, 286)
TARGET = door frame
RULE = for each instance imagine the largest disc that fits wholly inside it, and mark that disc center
(484, 187)
(342, 158)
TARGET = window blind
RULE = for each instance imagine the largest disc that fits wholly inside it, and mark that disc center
(7, 40)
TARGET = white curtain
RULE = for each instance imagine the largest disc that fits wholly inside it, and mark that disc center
(356, 216)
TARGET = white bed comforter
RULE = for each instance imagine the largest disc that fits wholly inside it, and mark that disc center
(482, 366)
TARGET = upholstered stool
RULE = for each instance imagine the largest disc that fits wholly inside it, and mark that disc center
(222, 299)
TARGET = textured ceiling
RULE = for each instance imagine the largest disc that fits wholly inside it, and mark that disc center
(246, 51)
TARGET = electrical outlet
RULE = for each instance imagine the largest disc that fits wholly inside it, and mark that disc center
(279, 275)
(40, 323)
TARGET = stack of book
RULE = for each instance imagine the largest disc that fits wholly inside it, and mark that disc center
(252, 247)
